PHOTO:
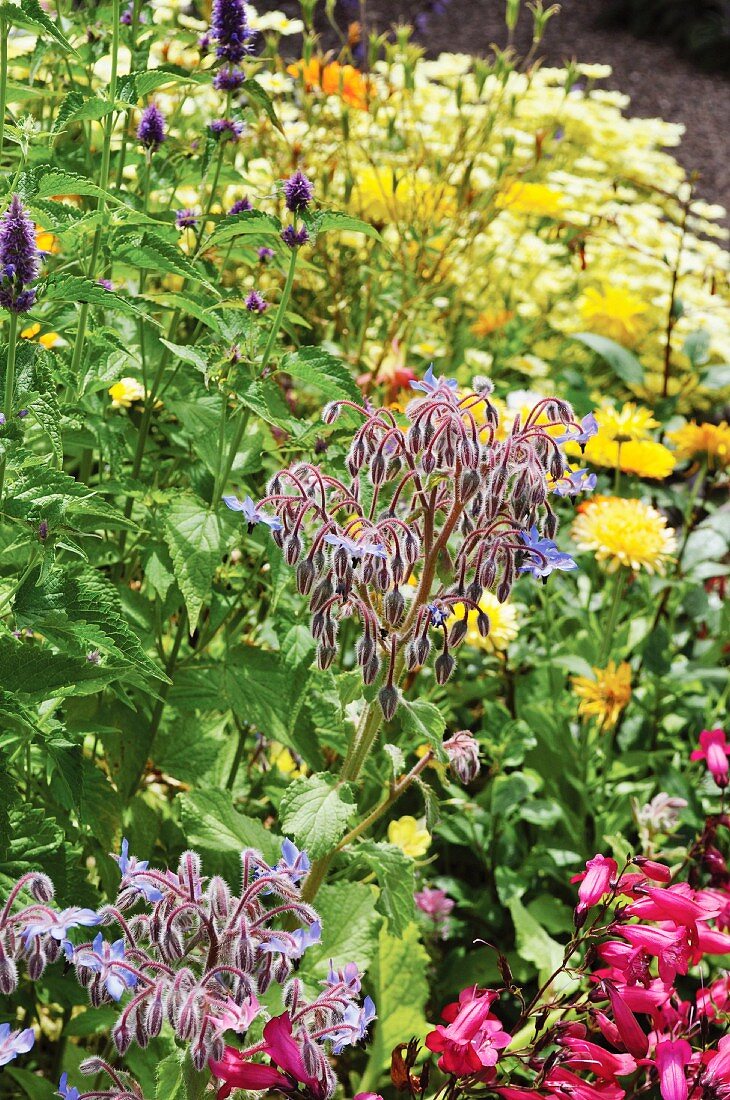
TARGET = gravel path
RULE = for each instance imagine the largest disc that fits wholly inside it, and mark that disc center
(660, 83)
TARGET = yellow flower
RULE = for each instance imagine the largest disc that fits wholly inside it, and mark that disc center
(613, 311)
(642, 457)
(703, 440)
(629, 422)
(125, 392)
(283, 760)
(606, 694)
(503, 623)
(381, 196)
(624, 532)
(47, 340)
(531, 198)
(406, 834)
(46, 241)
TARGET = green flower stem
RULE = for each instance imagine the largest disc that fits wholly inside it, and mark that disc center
(396, 790)
(3, 77)
(20, 581)
(9, 384)
(612, 619)
(230, 783)
(224, 473)
(101, 205)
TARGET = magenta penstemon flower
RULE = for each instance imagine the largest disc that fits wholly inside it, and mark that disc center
(19, 258)
(714, 749)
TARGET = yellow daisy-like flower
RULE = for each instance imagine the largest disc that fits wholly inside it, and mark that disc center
(606, 694)
(630, 422)
(642, 457)
(711, 441)
(531, 198)
(47, 340)
(503, 623)
(613, 311)
(624, 532)
(125, 392)
(407, 835)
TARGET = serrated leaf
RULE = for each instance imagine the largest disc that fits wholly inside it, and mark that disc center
(78, 108)
(623, 363)
(138, 85)
(219, 832)
(38, 672)
(395, 874)
(318, 368)
(152, 252)
(193, 536)
(188, 354)
(327, 220)
(31, 14)
(247, 223)
(316, 812)
(261, 98)
(267, 401)
(48, 182)
(349, 926)
(74, 288)
(424, 723)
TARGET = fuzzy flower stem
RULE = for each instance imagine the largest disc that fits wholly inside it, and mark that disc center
(101, 206)
(3, 77)
(9, 383)
(396, 790)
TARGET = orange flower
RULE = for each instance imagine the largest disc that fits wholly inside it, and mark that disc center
(490, 321)
(334, 79)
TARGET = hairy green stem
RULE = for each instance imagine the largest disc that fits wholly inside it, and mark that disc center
(9, 395)
(3, 77)
(396, 790)
(101, 205)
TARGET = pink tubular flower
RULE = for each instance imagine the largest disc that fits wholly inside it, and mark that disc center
(473, 1038)
(237, 1072)
(595, 882)
(672, 1057)
(659, 872)
(715, 750)
(368, 1096)
(632, 1037)
(716, 1077)
(597, 1060)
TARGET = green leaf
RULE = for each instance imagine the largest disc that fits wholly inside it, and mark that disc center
(327, 220)
(318, 368)
(247, 223)
(139, 85)
(38, 672)
(395, 874)
(261, 99)
(31, 1085)
(78, 108)
(50, 181)
(622, 362)
(267, 401)
(74, 288)
(696, 347)
(177, 1078)
(30, 14)
(152, 252)
(67, 602)
(220, 833)
(423, 722)
(533, 943)
(716, 378)
(193, 535)
(349, 928)
(266, 689)
(316, 811)
(400, 990)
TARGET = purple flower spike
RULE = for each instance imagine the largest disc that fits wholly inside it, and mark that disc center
(265, 254)
(229, 29)
(151, 129)
(251, 513)
(222, 127)
(229, 79)
(19, 258)
(186, 219)
(256, 303)
(298, 192)
(13, 1043)
(295, 238)
(241, 206)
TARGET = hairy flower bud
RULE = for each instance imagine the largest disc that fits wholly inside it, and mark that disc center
(463, 752)
(458, 632)
(370, 670)
(388, 699)
(331, 411)
(443, 667)
(394, 606)
(306, 575)
(325, 655)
